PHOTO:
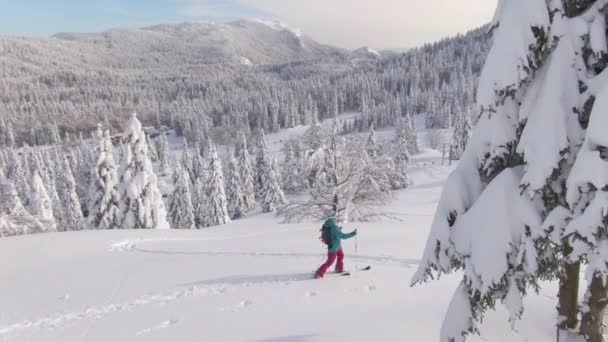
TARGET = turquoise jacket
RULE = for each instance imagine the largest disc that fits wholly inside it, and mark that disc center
(336, 235)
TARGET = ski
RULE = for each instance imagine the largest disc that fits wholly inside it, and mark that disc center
(348, 273)
(366, 268)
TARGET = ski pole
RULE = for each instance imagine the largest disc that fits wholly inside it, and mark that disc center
(356, 253)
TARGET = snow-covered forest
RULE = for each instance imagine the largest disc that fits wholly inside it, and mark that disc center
(86, 163)
(55, 88)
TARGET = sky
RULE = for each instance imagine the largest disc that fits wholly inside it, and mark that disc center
(343, 23)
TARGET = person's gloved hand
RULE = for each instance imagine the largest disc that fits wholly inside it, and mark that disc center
(355, 231)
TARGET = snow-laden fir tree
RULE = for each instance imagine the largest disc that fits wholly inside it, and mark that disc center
(199, 167)
(587, 232)
(39, 203)
(462, 134)
(10, 136)
(215, 204)
(181, 210)
(18, 174)
(234, 191)
(49, 177)
(141, 203)
(247, 174)
(72, 218)
(290, 172)
(411, 136)
(103, 191)
(373, 148)
(268, 184)
(186, 161)
(527, 200)
(81, 163)
(152, 149)
(163, 154)
(199, 199)
(31, 156)
(401, 158)
(14, 218)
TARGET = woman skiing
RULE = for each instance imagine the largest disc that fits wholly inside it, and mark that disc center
(332, 236)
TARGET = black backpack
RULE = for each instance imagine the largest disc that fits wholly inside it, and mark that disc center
(326, 236)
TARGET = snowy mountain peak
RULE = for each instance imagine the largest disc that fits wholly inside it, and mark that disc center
(259, 42)
(280, 26)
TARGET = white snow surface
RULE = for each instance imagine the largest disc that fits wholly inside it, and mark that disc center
(250, 280)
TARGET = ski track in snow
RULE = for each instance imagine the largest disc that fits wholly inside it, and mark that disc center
(368, 258)
(207, 287)
(131, 244)
(134, 246)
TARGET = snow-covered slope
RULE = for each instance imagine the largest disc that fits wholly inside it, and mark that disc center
(247, 281)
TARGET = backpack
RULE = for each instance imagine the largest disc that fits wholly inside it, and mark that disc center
(326, 236)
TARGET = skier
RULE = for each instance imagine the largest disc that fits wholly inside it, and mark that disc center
(332, 236)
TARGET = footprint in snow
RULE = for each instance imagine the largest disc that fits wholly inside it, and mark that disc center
(245, 303)
(239, 307)
(65, 297)
(370, 288)
(311, 294)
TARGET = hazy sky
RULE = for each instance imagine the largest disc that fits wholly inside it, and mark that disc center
(345, 23)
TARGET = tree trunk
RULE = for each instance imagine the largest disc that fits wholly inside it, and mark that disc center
(592, 322)
(568, 297)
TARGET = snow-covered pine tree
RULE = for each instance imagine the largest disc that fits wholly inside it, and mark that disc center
(401, 158)
(14, 218)
(199, 167)
(411, 136)
(103, 191)
(55, 138)
(373, 149)
(268, 185)
(526, 202)
(234, 191)
(141, 203)
(72, 218)
(181, 210)
(199, 199)
(32, 160)
(18, 175)
(49, 176)
(216, 211)
(162, 151)
(186, 161)
(152, 149)
(39, 203)
(10, 135)
(587, 232)
(290, 171)
(246, 171)
(261, 162)
(462, 134)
